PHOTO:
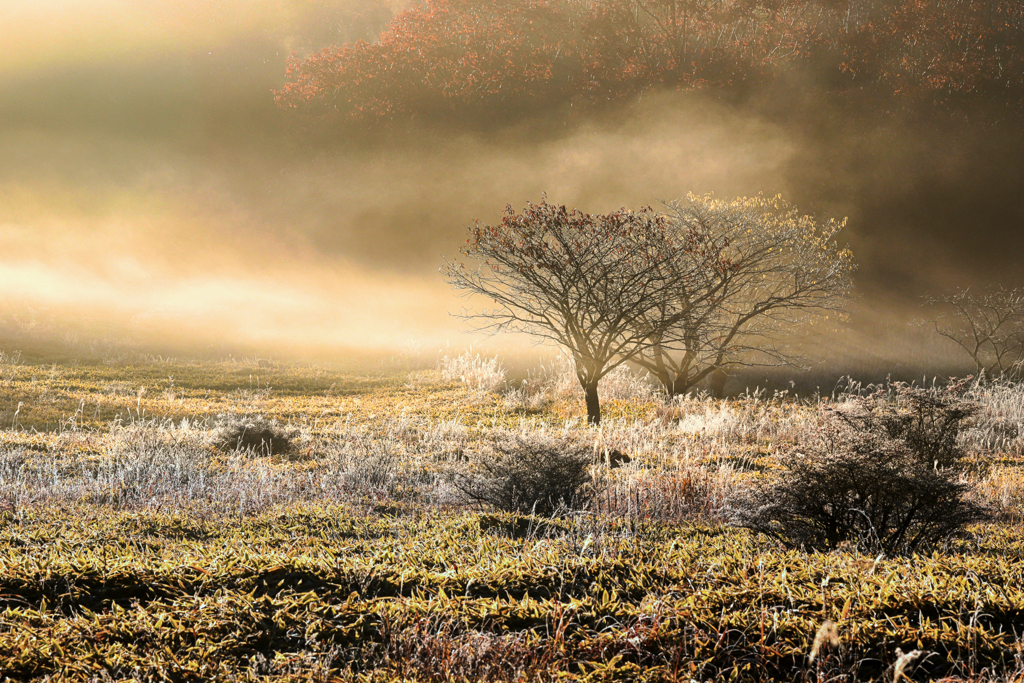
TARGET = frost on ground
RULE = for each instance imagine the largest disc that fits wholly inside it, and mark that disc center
(687, 456)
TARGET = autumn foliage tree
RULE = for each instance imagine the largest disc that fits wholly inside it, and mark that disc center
(441, 55)
(508, 57)
(601, 286)
(499, 54)
(945, 49)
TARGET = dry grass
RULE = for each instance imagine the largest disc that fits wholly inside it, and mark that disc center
(367, 564)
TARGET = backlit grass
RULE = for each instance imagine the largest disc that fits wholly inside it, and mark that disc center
(131, 547)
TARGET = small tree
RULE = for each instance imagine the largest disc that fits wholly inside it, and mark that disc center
(988, 327)
(602, 286)
(783, 269)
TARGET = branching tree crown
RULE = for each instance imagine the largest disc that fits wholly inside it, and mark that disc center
(988, 326)
(602, 286)
(783, 269)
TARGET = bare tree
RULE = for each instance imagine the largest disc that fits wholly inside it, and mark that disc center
(603, 286)
(988, 326)
(783, 269)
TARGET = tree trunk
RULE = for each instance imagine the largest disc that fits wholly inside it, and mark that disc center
(674, 384)
(660, 368)
(717, 383)
(593, 404)
(667, 381)
(679, 387)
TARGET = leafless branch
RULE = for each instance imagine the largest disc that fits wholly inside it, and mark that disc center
(782, 269)
(988, 326)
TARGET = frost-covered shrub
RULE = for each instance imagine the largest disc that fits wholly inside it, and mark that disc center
(530, 475)
(883, 473)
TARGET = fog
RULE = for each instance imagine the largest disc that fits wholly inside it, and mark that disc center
(152, 191)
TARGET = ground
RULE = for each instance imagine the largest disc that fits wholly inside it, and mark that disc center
(136, 547)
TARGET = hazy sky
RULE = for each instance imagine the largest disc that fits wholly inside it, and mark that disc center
(151, 186)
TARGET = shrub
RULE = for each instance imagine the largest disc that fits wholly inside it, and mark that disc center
(530, 475)
(255, 434)
(882, 473)
(928, 422)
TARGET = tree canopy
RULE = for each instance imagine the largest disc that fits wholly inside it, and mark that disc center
(508, 57)
(602, 286)
(708, 285)
(784, 269)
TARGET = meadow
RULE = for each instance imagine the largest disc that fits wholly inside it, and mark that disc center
(136, 546)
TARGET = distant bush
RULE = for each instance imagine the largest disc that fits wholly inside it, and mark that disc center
(531, 475)
(255, 434)
(882, 473)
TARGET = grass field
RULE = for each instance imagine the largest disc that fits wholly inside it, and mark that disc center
(134, 548)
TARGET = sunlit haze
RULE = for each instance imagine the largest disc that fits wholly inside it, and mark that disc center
(152, 190)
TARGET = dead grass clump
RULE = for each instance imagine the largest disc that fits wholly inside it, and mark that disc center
(1001, 489)
(693, 492)
(254, 434)
(999, 426)
(376, 464)
(478, 374)
(530, 398)
(622, 384)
